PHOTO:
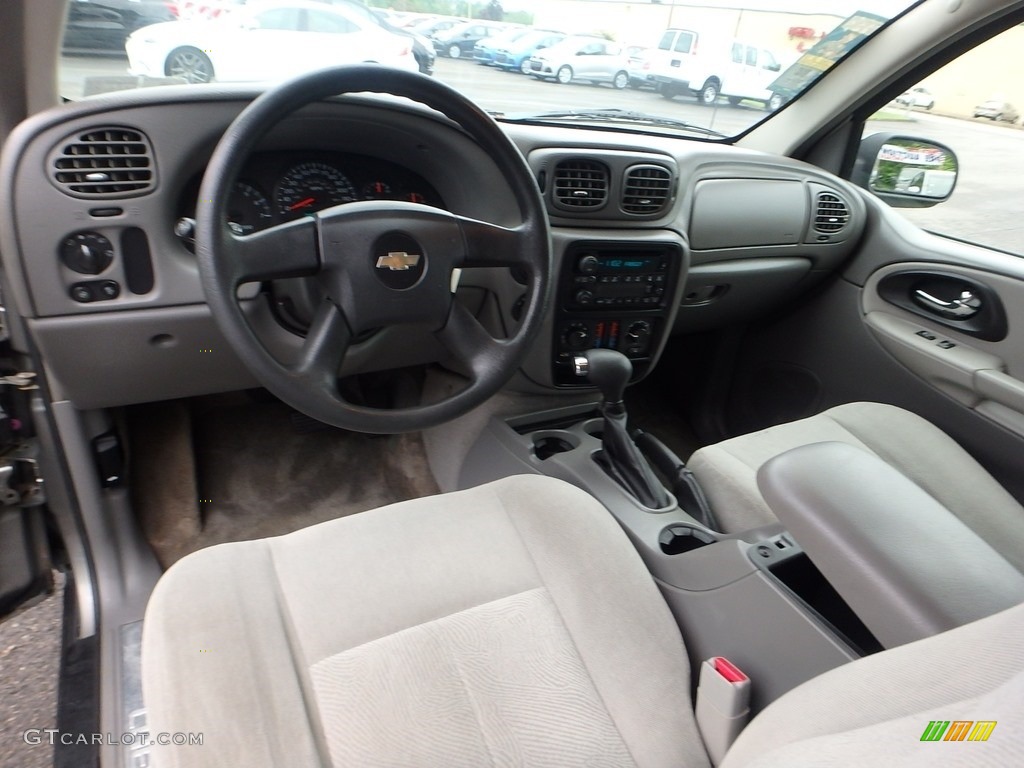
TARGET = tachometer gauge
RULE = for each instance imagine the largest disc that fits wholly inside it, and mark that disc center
(310, 187)
(248, 210)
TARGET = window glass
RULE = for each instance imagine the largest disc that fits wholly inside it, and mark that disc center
(751, 57)
(329, 23)
(684, 43)
(286, 19)
(737, 53)
(951, 107)
(168, 43)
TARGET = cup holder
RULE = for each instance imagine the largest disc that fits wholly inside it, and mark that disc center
(594, 427)
(677, 539)
(548, 443)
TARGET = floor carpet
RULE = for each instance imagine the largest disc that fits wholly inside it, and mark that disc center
(230, 469)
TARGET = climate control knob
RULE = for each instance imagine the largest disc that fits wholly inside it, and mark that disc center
(584, 296)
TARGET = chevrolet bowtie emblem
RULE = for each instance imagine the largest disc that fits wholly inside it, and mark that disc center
(398, 261)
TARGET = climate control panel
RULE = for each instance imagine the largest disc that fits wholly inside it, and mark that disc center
(613, 296)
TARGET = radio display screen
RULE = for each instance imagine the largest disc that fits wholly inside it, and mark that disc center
(629, 263)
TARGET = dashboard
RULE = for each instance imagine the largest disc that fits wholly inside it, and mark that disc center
(652, 236)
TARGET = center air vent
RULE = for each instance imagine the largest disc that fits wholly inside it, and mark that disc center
(831, 213)
(104, 163)
(580, 184)
(646, 189)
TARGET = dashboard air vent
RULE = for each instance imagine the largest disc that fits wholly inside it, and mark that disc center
(104, 163)
(579, 184)
(831, 213)
(646, 189)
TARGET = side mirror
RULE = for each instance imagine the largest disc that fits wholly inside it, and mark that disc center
(905, 171)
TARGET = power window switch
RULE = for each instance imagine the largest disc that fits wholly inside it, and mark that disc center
(947, 344)
(927, 335)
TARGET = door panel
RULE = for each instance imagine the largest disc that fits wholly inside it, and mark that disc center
(850, 342)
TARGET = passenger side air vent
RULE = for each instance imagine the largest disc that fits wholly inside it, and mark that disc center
(579, 184)
(831, 213)
(104, 163)
(646, 189)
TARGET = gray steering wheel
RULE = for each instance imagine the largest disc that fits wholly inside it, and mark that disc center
(378, 263)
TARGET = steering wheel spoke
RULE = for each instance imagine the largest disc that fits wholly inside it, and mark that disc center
(491, 245)
(470, 342)
(287, 250)
(326, 343)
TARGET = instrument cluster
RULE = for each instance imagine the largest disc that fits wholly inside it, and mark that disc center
(275, 187)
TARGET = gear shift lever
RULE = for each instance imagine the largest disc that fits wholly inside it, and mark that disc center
(609, 371)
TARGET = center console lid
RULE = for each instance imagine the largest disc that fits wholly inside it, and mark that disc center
(906, 565)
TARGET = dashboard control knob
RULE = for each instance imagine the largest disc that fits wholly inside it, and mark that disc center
(588, 265)
(584, 296)
(576, 337)
(638, 331)
(87, 253)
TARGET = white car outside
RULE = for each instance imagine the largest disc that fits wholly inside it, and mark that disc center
(264, 42)
(592, 59)
(916, 97)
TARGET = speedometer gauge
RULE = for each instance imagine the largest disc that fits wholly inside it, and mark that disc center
(310, 187)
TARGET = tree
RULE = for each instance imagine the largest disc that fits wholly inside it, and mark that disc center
(493, 11)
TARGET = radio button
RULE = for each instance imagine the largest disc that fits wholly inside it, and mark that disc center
(584, 296)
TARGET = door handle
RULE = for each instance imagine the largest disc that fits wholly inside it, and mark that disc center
(964, 306)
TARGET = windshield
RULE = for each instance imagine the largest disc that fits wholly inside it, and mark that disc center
(710, 69)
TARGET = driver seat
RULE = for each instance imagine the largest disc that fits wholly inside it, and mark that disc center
(511, 624)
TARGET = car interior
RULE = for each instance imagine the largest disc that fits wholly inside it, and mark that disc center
(561, 445)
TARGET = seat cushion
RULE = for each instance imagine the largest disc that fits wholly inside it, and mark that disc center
(727, 470)
(509, 624)
(874, 711)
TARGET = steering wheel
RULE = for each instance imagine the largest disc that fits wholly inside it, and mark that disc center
(378, 263)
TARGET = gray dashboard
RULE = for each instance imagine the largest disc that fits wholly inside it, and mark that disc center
(94, 267)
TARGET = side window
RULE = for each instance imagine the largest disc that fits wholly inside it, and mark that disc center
(280, 18)
(973, 105)
(328, 23)
(768, 61)
(751, 57)
(665, 44)
(737, 53)
(685, 42)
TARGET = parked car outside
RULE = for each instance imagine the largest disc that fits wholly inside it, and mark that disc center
(917, 97)
(486, 50)
(639, 68)
(103, 26)
(422, 48)
(582, 58)
(997, 111)
(430, 28)
(460, 40)
(708, 67)
(515, 56)
(271, 42)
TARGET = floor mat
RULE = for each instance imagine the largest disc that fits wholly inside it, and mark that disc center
(260, 472)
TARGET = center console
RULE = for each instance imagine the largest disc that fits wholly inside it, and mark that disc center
(613, 295)
(752, 597)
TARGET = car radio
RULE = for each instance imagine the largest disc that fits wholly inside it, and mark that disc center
(615, 296)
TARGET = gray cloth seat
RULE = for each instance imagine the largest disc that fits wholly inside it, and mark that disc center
(510, 624)
(727, 470)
